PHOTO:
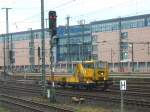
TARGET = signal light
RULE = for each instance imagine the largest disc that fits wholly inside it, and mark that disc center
(52, 23)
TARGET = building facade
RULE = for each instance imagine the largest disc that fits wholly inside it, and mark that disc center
(75, 44)
(123, 42)
(24, 47)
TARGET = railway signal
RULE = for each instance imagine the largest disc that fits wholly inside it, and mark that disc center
(52, 23)
(53, 32)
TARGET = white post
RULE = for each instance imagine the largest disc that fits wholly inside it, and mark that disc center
(122, 88)
(122, 101)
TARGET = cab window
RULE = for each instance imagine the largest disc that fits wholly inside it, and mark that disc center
(88, 65)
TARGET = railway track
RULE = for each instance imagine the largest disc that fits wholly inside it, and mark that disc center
(31, 105)
(139, 98)
(38, 76)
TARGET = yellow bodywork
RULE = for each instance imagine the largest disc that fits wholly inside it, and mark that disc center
(85, 72)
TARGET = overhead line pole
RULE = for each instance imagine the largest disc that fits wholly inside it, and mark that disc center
(68, 36)
(120, 50)
(6, 44)
(43, 47)
(132, 58)
(82, 23)
(7, 23)
(4, 57)
(11, 49)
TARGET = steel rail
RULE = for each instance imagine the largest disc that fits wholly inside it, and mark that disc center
(38, 107)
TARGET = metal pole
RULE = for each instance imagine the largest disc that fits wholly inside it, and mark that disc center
(69, 57)
(7, 23)
(132, 58)
(46, 21)
(39, 58)
(32, 50)
(120, 52)
(82, 22)
(52, 91)
(91, 55)
(111, 55)
(79, 51)
(6, 44)
(122, 101)
(11, 61)
(4, 58)
(43, 47)
(82, 41)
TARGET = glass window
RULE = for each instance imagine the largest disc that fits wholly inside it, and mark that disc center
(31, 52)
(94, 38)
(100, 65)
(105, 27)
(132, 23)
(88, 65)
(87, 39)
(124, 45)
(124, 55)
(95, 48)
(32, 60)
(63, 49)
(148, 21)
(63, 41)
(31, 44)
(124, 35)
(115, 26)
(95, 57)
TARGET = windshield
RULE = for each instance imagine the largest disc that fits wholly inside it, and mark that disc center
(100, 65)
(88, 65)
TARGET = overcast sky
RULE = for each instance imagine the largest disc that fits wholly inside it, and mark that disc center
(25, 14)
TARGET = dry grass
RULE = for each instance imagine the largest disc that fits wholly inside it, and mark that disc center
(77, 107)
(4, 109)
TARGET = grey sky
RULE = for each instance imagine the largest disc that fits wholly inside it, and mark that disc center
(25, 14)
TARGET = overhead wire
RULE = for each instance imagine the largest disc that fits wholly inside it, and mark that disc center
(63, 5)
(59, 6)
(35, 15)
(67, 3)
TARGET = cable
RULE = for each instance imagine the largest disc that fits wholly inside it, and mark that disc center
(61, 5)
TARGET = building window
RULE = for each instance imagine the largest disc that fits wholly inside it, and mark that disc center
(124, 56)
(124, 45)
(32, 60)
(95, 48)
(124, 35)
(94, 38)
(132, 23)
(31, 52)
(148, 21)
(63, 41)
(95, 57)
(13, 61)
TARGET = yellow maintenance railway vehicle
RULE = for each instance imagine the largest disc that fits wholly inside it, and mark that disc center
(87, 74)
